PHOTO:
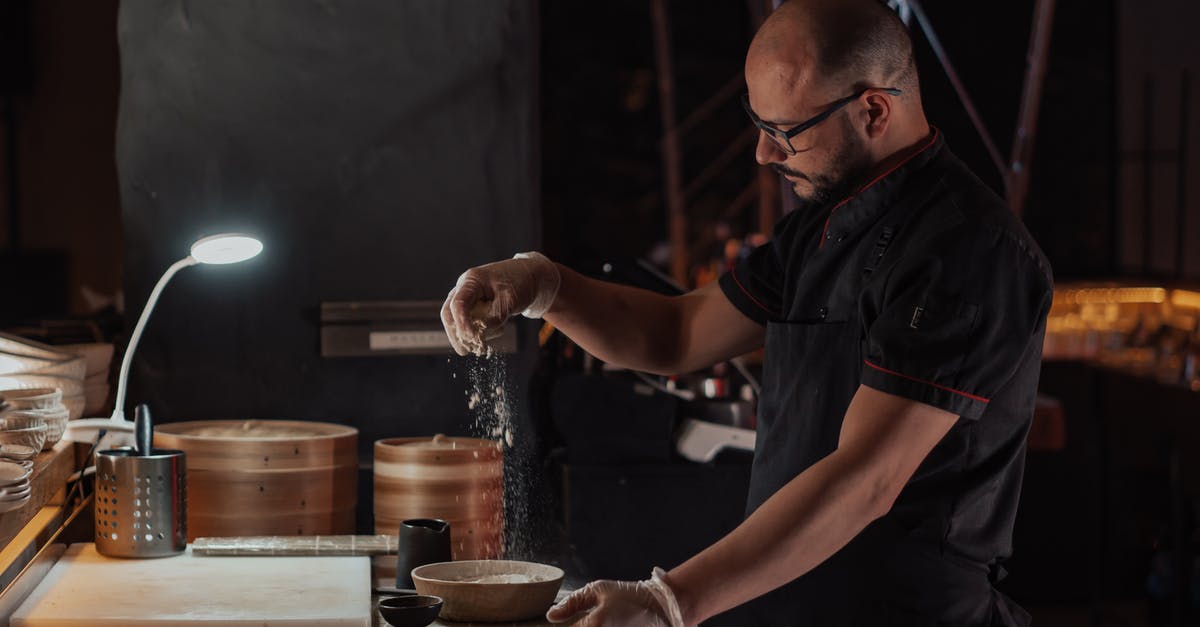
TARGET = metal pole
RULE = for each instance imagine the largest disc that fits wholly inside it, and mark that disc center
(959, 88)
(1147, 174)
(1181, 231)
(672, 155)
(1016, 181)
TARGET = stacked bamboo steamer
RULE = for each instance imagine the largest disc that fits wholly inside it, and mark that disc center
(266, 477)
(459, 480)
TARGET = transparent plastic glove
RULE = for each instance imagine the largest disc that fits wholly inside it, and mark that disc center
(647, 603)
(485, 297)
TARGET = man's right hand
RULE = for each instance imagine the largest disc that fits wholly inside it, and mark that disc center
(485, 297)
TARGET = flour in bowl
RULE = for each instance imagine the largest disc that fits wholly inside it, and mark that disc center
(509, 578)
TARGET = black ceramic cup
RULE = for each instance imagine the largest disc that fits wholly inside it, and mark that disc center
(422, 541)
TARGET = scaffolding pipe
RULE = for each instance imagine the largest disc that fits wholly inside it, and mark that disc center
(1016, 181)
(959, 88)
(672, 154)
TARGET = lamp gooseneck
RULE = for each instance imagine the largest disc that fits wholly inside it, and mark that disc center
(118, 414)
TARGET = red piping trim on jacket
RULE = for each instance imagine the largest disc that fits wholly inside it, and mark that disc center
(754, 300)
(940, 387)
(824, 231)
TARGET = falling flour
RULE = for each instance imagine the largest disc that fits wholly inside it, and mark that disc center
(489, 399)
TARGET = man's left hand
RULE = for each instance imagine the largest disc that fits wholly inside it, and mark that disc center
(612, 603)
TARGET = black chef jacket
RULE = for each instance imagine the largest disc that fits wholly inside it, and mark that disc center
(922, 284)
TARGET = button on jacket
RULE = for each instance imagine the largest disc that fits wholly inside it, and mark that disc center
(924, 285)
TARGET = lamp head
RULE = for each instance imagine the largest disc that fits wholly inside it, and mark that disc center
(225, 248)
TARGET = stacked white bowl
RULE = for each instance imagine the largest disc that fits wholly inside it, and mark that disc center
(39, 429)
(27, 365)
(15, 488)
(97, 358)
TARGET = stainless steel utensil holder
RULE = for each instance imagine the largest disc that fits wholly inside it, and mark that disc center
(141, 503)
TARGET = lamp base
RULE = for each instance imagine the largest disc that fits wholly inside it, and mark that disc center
(118, 432)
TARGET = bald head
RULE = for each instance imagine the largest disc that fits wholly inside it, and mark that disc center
(845, 44)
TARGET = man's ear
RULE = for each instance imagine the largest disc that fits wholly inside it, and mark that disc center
(878, 113)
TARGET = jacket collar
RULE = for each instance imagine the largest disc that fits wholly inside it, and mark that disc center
(881, 191)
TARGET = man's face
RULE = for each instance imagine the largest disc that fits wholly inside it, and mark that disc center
(830, 157)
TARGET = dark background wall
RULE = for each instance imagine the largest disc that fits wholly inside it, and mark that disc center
(59, 75)
(1158, 77)
(377, 148)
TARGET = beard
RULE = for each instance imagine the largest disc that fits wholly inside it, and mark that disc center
(847, 167)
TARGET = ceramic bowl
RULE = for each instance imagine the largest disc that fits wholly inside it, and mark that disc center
(29, 348)
(16, 494)
(413, 610)
(69, 386)
(74, 368)
(98, 356)
(490, 590)
(33, 437)
(18, 453)
(34, 398)
(55, 420)
(8, 506)
(19, 364)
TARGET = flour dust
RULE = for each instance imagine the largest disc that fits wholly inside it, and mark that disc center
(490, 399)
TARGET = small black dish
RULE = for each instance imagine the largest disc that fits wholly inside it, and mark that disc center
(417, 610)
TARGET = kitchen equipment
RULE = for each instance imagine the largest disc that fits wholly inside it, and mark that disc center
(267, 477)
(421, 541)
(73, 368)
(412, 610)
(70, 386)
(490, 590)
(15, 486)
(88, 589)
(221, 249)
(17, 364)
(296, 545)
(98, 356)
(54, 419)
(32, 436)
(11, 473)
(143, 431)
(17, 345)
(458, 480)
(33, 398)
(141, 499)
(701, 441)
(20, 453)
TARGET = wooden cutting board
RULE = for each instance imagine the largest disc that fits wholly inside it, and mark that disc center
(86, 588)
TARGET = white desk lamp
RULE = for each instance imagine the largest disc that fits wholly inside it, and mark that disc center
(220, 249)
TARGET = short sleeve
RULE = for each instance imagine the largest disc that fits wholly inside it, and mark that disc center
(955, 319)
(754, 285)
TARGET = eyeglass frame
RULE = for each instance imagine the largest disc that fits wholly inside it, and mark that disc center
(783, 138)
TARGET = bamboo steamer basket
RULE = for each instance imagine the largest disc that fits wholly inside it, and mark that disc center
(459, 480)
(266, 477)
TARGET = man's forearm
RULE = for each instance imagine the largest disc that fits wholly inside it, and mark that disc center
(622, 325)
(800, 526)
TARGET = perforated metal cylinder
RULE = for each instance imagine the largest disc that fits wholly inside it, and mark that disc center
(141, 503)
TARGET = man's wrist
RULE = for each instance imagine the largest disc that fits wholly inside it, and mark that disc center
(546, 281)
(667, 595)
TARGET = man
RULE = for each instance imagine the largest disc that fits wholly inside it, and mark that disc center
(902, 309)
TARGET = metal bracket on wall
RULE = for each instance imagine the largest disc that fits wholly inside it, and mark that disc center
(388, 328)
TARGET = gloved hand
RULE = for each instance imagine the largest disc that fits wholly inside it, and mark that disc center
(486, 296)
(647, 603)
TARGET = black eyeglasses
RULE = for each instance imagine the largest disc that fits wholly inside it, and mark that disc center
(783, 138)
